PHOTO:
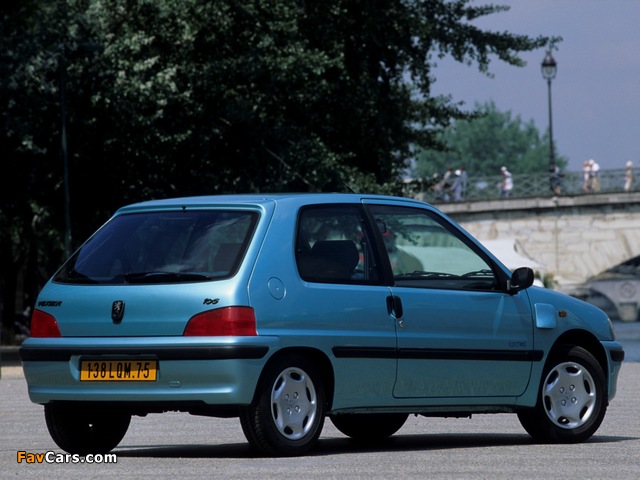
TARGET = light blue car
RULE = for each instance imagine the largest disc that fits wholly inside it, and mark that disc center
(285, 309)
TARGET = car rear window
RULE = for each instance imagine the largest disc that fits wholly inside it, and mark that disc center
(163, 247)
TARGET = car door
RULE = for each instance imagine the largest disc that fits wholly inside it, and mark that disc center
(342, 303)
(460, 334)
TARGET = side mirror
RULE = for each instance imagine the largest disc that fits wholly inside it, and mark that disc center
(520, 279)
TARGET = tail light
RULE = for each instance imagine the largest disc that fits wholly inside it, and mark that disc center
(44, 325)
(222, 322)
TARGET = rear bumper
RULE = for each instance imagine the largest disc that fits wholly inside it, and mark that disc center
(211, 371)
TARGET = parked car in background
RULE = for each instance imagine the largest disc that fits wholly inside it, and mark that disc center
(616, 291)
(283, 310)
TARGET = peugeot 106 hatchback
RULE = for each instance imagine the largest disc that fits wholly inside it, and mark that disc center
(283, 310)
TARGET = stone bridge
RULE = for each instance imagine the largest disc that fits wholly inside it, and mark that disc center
(571, 237)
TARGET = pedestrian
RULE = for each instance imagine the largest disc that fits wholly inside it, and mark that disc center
(594, 176)
(628, 177)
(555, 179)
(586, 175)
(456, 187)
(464, 181)
(436, 186)
(445, 184)
(506, 185)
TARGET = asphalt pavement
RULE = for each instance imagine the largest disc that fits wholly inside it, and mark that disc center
(177, 445)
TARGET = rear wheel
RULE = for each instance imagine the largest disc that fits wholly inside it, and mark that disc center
(572, 400)
(287, 416)
(82, 431)
(369, 427)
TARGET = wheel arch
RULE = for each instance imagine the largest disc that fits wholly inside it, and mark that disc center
(589, 342)
(318, 357)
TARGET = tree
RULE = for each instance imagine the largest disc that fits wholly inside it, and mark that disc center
(192, 97)
(486, 142)
(305, 96)
(30, 215)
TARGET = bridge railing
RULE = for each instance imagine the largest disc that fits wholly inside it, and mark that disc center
(524, 185)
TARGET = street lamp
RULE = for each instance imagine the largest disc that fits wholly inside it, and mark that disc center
(549, 70)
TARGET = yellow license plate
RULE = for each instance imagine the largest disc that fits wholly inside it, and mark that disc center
(118, 370)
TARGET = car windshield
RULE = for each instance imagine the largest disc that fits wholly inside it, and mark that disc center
(162, 247)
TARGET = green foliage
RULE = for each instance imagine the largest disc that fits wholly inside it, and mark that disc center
(486, 142)
(186, 97)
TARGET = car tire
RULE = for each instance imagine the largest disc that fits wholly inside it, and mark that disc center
(81, 431)
(572, 399)
(287, 414)
(369, 427)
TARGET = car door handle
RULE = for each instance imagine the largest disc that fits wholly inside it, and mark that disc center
(394, 306)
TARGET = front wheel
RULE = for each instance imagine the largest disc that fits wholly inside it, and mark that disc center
(84, 431)
(287, 416)
(572, 400)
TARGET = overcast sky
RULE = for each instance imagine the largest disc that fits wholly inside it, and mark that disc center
(596, 92)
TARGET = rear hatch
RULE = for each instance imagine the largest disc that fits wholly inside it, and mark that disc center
(148, 273)
(137, 310)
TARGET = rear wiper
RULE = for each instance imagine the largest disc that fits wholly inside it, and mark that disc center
(164, 277)
(74, 276)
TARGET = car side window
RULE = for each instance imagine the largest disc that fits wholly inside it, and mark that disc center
(424, 251)
(333, 246)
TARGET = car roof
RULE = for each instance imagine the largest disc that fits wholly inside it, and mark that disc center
(260, 199)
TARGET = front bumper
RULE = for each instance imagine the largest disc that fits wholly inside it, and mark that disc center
(615, 354)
